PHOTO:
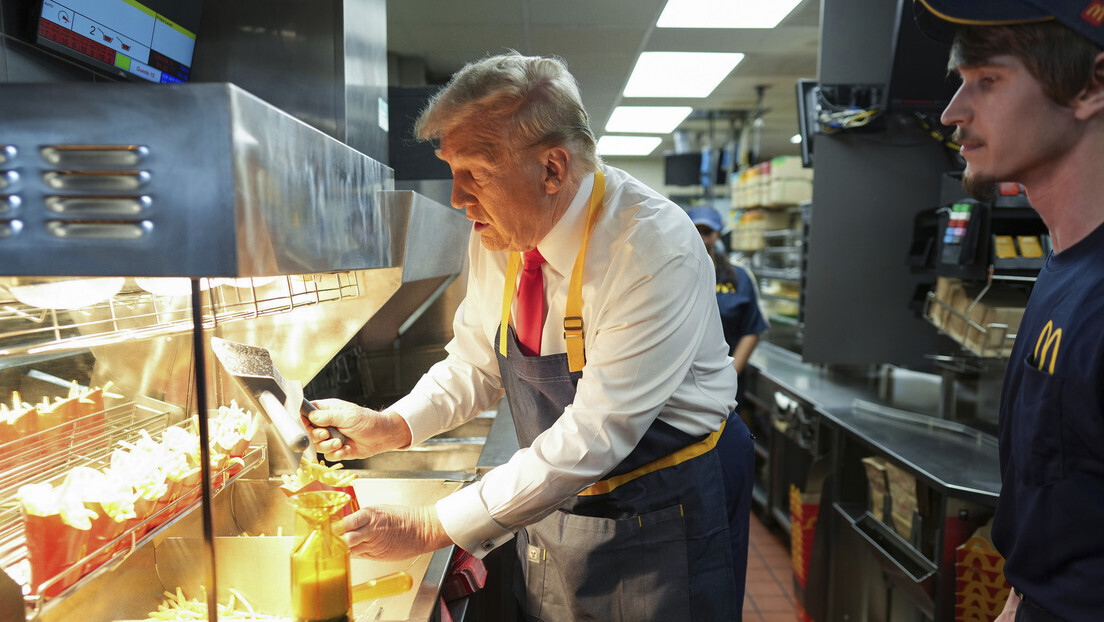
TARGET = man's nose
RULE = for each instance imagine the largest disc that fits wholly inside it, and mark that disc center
(461, 199)
(956, 112)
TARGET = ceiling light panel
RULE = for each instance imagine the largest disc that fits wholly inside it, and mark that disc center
(627, 145)
(725, 13)
(680, 74)
(647, 119)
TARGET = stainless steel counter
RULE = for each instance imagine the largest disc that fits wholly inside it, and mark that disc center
(820, 385)
(954, 458)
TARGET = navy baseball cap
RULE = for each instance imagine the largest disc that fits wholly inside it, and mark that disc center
(939, 18)
(706, 216)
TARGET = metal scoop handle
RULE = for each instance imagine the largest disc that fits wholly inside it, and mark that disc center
(334, 432)
(293, 435)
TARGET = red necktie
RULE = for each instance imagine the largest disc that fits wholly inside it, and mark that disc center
(530, 306)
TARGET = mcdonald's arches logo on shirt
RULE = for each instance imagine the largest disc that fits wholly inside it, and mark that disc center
(1049, 337)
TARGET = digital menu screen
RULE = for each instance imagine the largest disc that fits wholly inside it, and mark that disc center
(152, 41)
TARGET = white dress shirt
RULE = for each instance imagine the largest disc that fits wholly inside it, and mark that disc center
(654, 348)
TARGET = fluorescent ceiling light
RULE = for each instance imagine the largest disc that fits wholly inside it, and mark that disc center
(647, 119)
(627, 145)
(680, 74)
(725, 13)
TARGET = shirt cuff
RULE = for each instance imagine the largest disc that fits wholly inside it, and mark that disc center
(409, 408)
(468, 523)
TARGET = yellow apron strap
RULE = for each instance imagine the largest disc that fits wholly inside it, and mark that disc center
(678, 457)
(573, 315)
(508, 299)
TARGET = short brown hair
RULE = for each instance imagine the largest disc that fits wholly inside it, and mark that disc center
(1056, 56)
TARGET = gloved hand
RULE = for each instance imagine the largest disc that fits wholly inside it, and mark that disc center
(368, 432)
(393, 532)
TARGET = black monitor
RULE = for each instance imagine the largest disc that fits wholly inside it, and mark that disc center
(807, 93)
(141, 40)
(690, 169)
(918, 80)
(682, 169)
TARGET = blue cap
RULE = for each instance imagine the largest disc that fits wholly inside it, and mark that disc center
(706, 216)
(939, 18)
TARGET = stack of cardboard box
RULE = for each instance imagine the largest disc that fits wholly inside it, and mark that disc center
(981, 588)
(984, 321)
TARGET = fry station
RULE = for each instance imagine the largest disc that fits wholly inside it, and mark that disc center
(175, 264)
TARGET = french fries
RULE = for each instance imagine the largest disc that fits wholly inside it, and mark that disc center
(310, 470)
(177, 607)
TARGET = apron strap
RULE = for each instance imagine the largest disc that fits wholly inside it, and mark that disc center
(686, 453)
(573, 313)
(508, 299)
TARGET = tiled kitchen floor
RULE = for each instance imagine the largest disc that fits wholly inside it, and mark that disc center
(769, 595)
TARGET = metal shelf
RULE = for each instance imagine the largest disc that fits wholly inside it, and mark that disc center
(889, 544)
(995, 338)
(779, 297)
(48, 456)
(779, 249)
(785, 320)
(135, 313)
(781, 274)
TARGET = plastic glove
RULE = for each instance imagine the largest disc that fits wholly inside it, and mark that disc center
(367, 432)
(393, 532)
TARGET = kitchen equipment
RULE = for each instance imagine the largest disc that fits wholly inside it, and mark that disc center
(254, 370)
(217, 185)
(320, 590)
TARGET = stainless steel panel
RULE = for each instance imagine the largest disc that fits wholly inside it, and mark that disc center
(451, 454)
(282, 51)
(364, 27)
(237, 187)
(115, 206)
(323, 62)
(94, 155)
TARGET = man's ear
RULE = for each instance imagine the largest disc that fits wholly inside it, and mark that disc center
(556, 166)
(1090, 101)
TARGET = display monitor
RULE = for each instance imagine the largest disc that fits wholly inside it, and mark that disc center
(148, 40)
(807, 93)
(682, 169)
(918, 77)
(690, 169)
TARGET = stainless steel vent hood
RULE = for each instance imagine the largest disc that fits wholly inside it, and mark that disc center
(206, 180)
(181, 180)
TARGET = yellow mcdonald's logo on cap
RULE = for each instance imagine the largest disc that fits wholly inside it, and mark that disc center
(1048, 337)
(1094, 13)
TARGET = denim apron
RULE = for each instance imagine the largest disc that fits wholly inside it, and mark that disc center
(661, 538)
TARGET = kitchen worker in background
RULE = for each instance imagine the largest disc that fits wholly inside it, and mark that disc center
(1030, 109)
(736, 295)
(590, 304)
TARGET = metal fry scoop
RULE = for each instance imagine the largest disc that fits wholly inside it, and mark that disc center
(252, 367)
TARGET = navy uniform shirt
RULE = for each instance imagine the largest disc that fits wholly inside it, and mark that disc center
(1049, 523)
(739, 306)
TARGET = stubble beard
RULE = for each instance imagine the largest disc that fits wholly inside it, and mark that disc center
(981, 187)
